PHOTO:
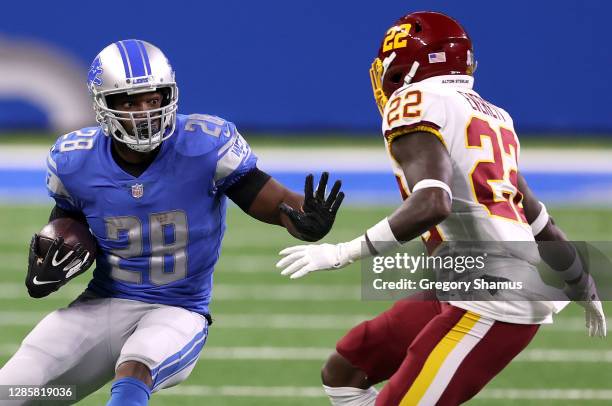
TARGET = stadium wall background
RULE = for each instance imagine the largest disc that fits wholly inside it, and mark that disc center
(278, 65)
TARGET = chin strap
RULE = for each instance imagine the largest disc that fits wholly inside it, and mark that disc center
(377, 73)
(410, 75)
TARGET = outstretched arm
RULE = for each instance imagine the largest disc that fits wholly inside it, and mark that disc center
(562, 257)
(308, 217)
(428, 170)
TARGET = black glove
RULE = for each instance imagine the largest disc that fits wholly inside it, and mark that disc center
(49, 271)
(318, 214)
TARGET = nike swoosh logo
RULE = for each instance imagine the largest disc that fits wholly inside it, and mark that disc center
(54, 260)
(37, 282)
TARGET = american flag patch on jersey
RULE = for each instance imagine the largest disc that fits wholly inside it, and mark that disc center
(437, 57)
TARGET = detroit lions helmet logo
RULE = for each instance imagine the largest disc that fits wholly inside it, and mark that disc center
(95, 70)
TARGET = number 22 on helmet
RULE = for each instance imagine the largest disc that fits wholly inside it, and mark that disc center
(418, 46)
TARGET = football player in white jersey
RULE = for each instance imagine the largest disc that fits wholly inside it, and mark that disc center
(455, 156)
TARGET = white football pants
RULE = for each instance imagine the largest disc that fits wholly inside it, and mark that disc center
(84, 343)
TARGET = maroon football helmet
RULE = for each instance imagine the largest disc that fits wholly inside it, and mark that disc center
(418, 46)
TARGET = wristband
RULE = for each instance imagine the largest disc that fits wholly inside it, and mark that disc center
(378, 239)
(541, 221)
(427, 183)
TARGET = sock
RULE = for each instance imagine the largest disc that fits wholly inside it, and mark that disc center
(347, 396)
(129, 392)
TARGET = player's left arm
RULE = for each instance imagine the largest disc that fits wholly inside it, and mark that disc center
(560, 254)
(427, 167)
(308, 217)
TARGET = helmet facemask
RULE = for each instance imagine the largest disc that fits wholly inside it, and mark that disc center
(149, 128)
(131, 68)
(376, 75)
(398, 77)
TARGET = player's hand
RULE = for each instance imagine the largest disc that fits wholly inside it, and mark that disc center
(303, 259)
(584, 292)
(318, 213)
(48, 271)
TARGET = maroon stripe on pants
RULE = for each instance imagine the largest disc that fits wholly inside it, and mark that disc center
(378, 346)
(492, 354)
(418, 352)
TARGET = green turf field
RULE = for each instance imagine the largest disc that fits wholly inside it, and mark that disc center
(320, 139)
(272, 334)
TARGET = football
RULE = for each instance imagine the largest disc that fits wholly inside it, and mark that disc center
(73, 233)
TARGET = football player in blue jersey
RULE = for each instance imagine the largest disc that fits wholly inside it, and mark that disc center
(151, 185)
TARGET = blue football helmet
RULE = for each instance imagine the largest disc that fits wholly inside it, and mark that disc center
(132, 67)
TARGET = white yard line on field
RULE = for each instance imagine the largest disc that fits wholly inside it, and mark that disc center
(317, 392)
(232, 263)
(547, 394)
(307, 293)
(289, 321)
(230, 321)
(351, 159)
(297, 392)
(267, 353)
(316, 354)
(297, 321)
(321, 353)
(559, 355)
(246, 391)
(226, 291)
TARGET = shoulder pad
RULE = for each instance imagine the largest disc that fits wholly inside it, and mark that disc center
(71, 150)
(201, 133)
(414, 108)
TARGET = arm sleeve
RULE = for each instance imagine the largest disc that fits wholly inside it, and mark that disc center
(244, 191)
(234, 159)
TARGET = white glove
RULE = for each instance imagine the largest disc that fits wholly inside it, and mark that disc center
(303, 259)
(584, 292)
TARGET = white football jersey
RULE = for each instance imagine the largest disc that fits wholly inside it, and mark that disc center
(484, 151)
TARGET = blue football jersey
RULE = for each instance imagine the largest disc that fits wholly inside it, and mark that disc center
(159, 234)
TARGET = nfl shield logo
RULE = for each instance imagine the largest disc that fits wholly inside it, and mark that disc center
(137, 190)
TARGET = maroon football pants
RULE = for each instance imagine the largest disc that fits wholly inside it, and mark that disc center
(432, 353)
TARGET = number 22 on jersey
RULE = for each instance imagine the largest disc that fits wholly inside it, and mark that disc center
(495, 180)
